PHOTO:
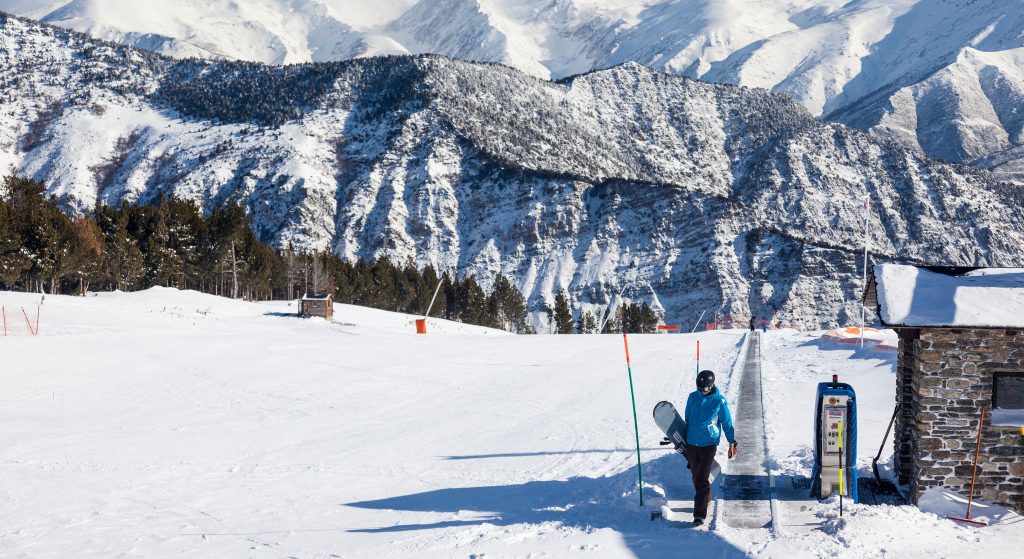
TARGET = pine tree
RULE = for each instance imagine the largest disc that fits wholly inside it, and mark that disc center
(122, 260)
(163, 263)
(13, 260)
(586, 323)
(475, 311)
(38, 222)
(562, 315)
(507, 306)
(648, 319)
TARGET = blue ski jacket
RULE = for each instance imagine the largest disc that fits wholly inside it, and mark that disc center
(706, 416)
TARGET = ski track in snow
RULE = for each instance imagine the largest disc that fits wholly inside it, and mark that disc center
(165, 422)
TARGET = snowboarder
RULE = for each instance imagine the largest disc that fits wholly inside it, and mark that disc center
(707, 415)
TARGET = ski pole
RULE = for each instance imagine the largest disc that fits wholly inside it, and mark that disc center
(698, 357)
(636, 428)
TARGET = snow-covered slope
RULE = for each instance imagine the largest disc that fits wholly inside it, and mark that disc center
(942, 75)
(166, 423)
(703, 199)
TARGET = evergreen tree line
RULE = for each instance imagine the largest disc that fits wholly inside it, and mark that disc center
(172, 244)
(383, 284)
(631, 318)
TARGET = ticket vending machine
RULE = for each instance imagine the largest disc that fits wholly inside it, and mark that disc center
(835, 441)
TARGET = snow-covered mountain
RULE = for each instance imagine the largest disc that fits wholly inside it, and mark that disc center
(697, 197)
(943, 76)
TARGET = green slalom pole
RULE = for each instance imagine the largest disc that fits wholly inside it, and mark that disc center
(636, 428)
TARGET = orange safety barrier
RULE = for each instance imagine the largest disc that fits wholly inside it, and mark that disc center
(421, 326)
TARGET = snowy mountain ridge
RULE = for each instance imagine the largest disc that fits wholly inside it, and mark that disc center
(942, 76)
(699, 198)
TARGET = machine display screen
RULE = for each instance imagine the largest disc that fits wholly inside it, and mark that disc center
(833, 417)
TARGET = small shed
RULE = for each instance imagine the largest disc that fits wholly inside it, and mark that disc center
(317, 305)
(961, 348)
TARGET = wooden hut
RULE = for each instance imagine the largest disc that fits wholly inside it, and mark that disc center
(961, 348)
(317, 305)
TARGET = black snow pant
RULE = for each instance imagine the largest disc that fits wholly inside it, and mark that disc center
(701, 458)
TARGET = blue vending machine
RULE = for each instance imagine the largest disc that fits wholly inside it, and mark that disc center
(835, 440)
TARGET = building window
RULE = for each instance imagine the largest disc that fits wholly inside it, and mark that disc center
(1008, 399)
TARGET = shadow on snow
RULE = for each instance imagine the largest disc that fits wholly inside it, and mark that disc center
(866, 352)
(582, 502)
(553, 453)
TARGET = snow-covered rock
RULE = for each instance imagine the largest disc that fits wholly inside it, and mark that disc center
(700, 198)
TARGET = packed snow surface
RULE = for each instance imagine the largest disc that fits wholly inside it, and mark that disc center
(164, 423)
(911, 296)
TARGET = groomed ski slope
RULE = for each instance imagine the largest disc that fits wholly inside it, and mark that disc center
(165, 423)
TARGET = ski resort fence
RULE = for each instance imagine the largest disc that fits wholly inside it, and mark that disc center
(16, 321)
(728, 322)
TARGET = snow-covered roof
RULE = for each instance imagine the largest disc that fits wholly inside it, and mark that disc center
(316, 297)
(985, 297)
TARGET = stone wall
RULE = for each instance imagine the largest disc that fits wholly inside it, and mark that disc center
(903, 435)
(951, 378)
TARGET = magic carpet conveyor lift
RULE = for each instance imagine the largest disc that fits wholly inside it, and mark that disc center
(835, 441)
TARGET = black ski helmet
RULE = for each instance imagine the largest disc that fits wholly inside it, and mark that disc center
(705, 381)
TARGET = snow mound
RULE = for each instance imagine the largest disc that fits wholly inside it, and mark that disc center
(945, 503)
(175, 309)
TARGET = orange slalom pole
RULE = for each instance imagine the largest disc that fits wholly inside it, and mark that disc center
(636, 428)
(27, 322)
(974, 476)
(977, 451)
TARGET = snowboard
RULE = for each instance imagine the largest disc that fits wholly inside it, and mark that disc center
(674, 427)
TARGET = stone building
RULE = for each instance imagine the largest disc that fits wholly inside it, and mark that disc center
(317, 305)
(961, 348)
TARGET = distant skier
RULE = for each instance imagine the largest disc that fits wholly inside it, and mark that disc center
(752, 319)
(707, 415)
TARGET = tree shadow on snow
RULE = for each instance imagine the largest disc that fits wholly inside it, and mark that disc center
(583, 502)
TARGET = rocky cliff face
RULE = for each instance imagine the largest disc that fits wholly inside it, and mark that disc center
(699, 198)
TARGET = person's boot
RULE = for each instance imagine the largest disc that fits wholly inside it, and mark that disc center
(698, 521)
